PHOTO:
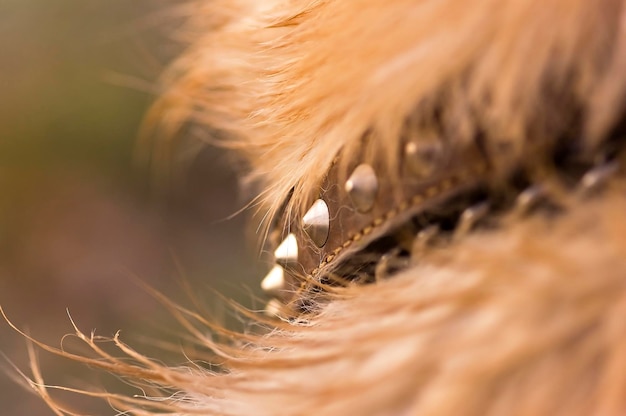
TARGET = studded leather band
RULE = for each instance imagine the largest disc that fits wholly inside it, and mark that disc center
(349, 215)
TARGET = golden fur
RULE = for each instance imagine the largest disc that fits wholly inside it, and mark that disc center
(527, 319)
(290, 83)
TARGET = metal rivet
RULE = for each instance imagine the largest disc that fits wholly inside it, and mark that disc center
(316, 222)
(363, 187)
(470, 217)
(273, 308)
(287, 252)
(597, 177)
(422, 240)
(423, 158)
(390, 263)
(274, 282)
(529, 198)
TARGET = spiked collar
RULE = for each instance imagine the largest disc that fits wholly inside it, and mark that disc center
(364, 228)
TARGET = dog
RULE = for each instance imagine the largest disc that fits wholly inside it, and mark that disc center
(442, 183)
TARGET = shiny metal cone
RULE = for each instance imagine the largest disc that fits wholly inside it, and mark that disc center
(273, 308)
(424, 157)
(274, 282)
(470, 217)
(363, 187)
(287, 252)
(316, 222)
(596, 178)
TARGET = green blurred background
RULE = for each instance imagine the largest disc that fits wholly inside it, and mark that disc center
(76, 216)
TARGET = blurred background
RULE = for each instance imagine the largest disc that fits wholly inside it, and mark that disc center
(77, 218)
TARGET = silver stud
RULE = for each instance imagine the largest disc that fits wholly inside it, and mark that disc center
(422, 240)
(389, 263)
(274, 308)
(528, 199)
(274, 282)
(470, 217)
(422, 158)
(597, 177)
(363, 187)
(287, 252)
(316, 222)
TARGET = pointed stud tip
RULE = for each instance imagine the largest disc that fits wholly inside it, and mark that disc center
(596, 178)
(274, 282)
(273, 308)
(470, 217)
(529, 198)
(410, 148)
(422, 158)
(287, 251)
(362, 186)
(316, 222)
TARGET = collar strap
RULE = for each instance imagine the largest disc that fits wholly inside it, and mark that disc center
(355, 227)
(349, 215)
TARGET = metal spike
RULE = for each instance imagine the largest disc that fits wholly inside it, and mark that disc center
(389, 263)
(287, 252)
(422, 241)
(422, 158)
(528, 199)
(274, 308)
(597, 177)
(470, 217)
(274, 281)
(316, 222)
(363, 187)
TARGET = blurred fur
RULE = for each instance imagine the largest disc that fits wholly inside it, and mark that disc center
(527, 319)
(290, 83)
